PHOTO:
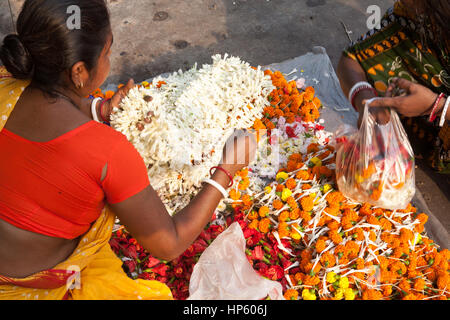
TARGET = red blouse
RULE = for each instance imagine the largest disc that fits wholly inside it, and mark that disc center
(53, 188)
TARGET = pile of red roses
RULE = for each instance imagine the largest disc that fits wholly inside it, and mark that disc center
(138, 263)
(262, 252)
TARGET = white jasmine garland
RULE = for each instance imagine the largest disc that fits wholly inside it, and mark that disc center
(181, 127)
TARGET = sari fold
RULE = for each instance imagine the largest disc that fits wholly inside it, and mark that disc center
(92, 271)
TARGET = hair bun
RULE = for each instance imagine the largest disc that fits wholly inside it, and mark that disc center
(16, 57)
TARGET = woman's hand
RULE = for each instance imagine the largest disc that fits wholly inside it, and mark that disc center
(239, 151)
(116, 99)
(417, 101)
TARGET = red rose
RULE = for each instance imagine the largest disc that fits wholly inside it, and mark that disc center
(290, 132)
(258, 253)
(115, 246)
(215, 230)
(275, 272)
(261, 267)
(147, 276)
(205, 235)
(285, 263)
(131, 265)
(178, 271)
(151, 262)
(161, 269)
(130, 252)
(190, 252)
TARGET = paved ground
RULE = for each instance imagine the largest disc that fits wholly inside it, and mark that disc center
(154, 37)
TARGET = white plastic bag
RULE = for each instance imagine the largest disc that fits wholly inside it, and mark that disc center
(224, 273)
(375, 164)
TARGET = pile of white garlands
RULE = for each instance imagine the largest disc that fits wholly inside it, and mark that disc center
(179, 124)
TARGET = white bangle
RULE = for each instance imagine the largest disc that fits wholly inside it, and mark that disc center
(356, 87)
(94, 109)
(218, 187)
(444, 113)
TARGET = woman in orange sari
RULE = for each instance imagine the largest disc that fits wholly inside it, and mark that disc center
(65, 177)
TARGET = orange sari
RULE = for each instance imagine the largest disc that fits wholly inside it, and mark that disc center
(93, 271)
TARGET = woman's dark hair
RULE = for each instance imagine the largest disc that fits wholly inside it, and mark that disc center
(45, 46)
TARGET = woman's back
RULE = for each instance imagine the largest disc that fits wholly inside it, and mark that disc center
(52, 184)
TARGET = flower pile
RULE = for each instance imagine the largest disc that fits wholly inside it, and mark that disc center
(179, 124)
(139, 264)
(301, 231)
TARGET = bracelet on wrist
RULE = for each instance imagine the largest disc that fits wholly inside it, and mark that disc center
(224, 171)
(101, 111)
(434, 109)
(444, 112)
(217, 186)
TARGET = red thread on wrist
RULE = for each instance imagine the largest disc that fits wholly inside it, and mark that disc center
(435, 106)
(226, 172)
(358, 91)
(101, 111)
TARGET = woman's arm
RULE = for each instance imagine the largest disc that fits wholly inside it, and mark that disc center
(349, 73)
(85, 105)
(146, 218)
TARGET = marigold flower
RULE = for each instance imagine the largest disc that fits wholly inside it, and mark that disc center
(254, 224)
(277, 204)
(306, 186)
(308, 294)
(291, 294)
(443, 281)
(320, 245)
(302, 175)
(281, 176)
(283, 216)
(339, 294)
(316, 161)
(285, 194)
(419, 284)
(365, 209)
(291, 202)
(267, 190)
(234, 194)
(294, 214)
(387, 290)
(311, 280)
(331, 277)
(283, 229)
(313, 148)
(244, 183)
(291, 184)
(263, 211)
(335, 197)
(252, 215)
(349, 294)
(333, 225)
(328, 260)
(247, 200)
(343, 283)
(372, 294)
(295, 235)
(264, 225)
(307, 203)
(335, 237)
